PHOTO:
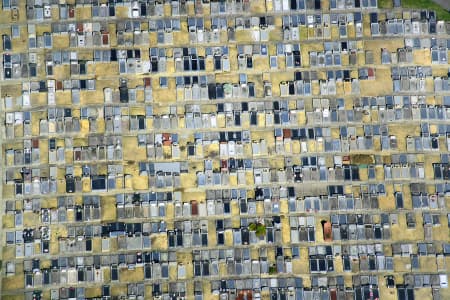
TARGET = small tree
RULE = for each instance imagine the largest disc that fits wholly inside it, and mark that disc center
(272, 270)
(259, 228)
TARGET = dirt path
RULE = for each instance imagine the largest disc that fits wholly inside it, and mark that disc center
(444, 3)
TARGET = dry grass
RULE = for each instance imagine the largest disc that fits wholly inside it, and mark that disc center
(361, 159)
(301, 265)
(9, 253)
(422, 57)
(228, 238)
(386, 293)
(132, 152)
(198, 195)
(159, 241)
(91, 292)
(243, 36)
(275, 35)
(12, 283)
(181, 38)
(257, 7)
(424, 293)
(20, 44)
(382, 85)
(108, 211)
(401, 232)
(136, 275)
(106, 69)
(122, 12)
(13, 90)
(285, 229)
(8, 221)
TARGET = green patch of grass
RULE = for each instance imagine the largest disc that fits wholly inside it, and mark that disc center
(385, 3)
(442, 14)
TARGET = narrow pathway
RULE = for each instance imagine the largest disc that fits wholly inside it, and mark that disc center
(444, 3)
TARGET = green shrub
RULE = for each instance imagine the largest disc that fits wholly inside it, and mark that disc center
(259, 228)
